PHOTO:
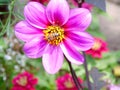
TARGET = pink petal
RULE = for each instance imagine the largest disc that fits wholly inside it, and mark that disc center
(26, 32)
(57, 11)
(35, 47)
(80, 19)
(35, 14)
(52, 61)
(81, 40)
(71, 53)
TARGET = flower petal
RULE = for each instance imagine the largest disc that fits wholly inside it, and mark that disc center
(35, 47)
(81, 40)
(80, 19)
(53, 61)
(35, 14)
(71, 53)
(26, 32)
(57, 11)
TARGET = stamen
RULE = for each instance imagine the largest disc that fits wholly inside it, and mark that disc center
(54, 35)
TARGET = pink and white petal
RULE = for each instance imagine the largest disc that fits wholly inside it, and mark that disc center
(81, 40)
(26, 32)
(35, 14)
(53, 61)
(71, 53)
(35, 48)
(80, 19)
(57, 12)
(49, 48)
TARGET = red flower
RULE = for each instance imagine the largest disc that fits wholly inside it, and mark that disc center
(24, 81)
(98, 48)
(87, 6)
(66, 82)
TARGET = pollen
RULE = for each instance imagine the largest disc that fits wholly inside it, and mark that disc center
(54, 35)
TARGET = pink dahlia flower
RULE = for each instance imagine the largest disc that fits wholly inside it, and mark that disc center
(98, 48)
(66, 82)
(24, 81)
(54, 31)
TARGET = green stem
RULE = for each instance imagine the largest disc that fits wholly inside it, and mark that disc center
(8, 21)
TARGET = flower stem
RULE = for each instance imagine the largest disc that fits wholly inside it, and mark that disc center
(86, 71)
(78, 80)
(79, 2)
(75, 79)
(85, 61)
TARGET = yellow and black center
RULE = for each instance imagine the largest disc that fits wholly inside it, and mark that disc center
(54, 35)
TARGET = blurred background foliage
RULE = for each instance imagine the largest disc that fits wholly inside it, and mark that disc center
(13, 60)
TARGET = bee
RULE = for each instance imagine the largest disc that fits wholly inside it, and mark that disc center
(53, 36)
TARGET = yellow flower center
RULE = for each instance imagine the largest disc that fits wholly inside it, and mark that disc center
(22, 81)
(96, 45)
(54, 35)
(69, 84)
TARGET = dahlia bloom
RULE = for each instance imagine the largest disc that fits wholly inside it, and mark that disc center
(66, 82)
(98, 48)
(54, 31)
(24, 81)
